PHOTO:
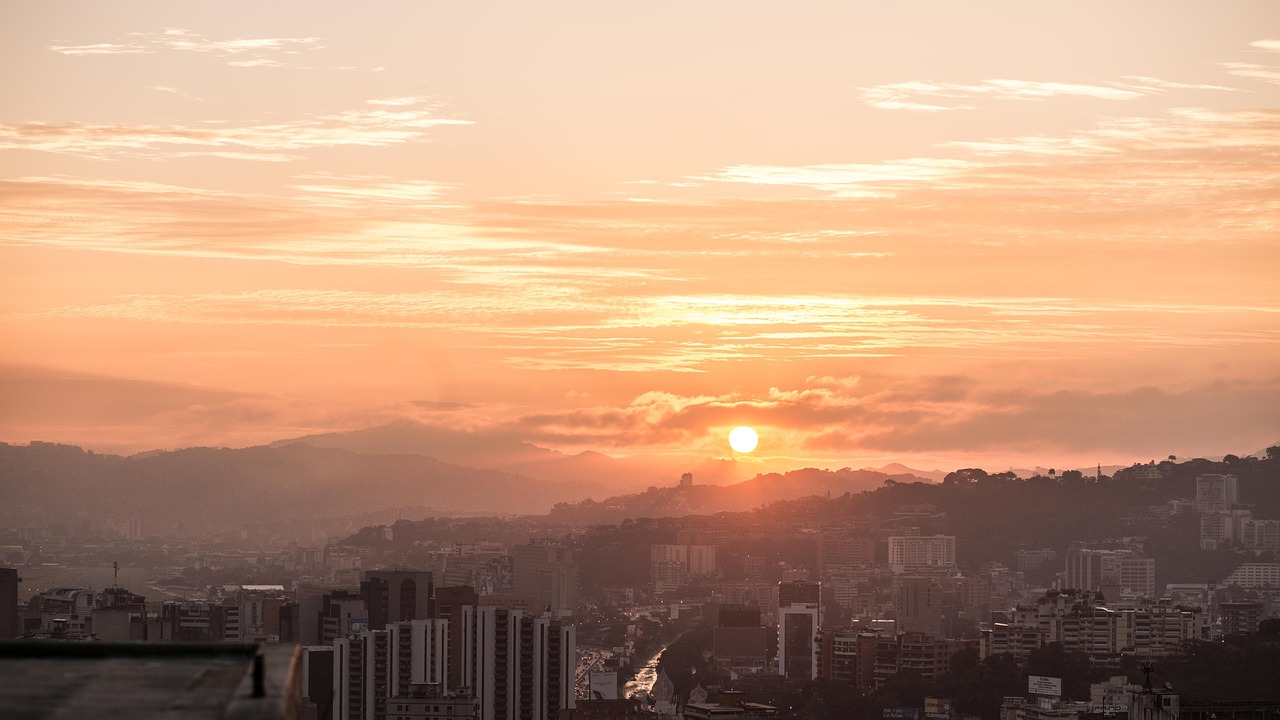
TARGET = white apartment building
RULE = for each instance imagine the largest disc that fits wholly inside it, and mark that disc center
(921, 552)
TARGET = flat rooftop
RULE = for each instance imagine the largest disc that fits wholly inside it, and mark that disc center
(145, 680)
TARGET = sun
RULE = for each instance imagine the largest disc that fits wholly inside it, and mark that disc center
(743, 439)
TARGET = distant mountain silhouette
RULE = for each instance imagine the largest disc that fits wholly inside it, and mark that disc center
(674, 501)
(406, 437)
(900, 469)
(218, 489)
(509, 454)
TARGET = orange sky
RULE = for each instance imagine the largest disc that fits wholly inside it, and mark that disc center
(943, 233)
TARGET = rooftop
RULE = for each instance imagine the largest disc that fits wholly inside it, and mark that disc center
(145, 681)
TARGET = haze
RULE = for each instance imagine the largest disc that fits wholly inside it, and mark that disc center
(939, 233)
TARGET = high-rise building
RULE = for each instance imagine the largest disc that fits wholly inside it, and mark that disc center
(374, 666)
(396, 595)
(9, 625)
(1216, 493)
(1091, 569)
(672, 565)
(341, 613)
(913, 554)
(361, 675)
(799, 619)
(317, 667)
(919, 605)
(545, 571)
(518, 667)
(739, 640)
(838, 551)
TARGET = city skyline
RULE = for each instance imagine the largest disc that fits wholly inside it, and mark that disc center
(947, 235)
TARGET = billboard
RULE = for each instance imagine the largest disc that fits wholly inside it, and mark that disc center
(937, 708)
(1041, 685)
(900, 713)
(604, 685)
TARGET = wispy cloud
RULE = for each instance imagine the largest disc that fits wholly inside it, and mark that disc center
(239, 52)
(853, 180)
(176, 91)
(361, 190)
(936, 97)
(1253, 71)
(830, 416)
(371, 126)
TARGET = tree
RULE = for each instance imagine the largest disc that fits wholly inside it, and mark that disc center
(965, 476)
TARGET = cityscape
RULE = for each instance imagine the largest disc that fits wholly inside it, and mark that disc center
(945, 597)
(719, 360)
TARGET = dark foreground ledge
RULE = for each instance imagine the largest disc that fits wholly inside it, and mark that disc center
(149, 681)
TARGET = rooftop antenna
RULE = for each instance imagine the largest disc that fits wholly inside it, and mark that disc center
(115, 574)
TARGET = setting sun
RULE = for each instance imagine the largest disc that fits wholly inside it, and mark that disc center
(743, 439)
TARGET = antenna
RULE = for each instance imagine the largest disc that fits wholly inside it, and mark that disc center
(115, 574)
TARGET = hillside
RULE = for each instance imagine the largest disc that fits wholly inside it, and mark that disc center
(218, 489)
(710, 499)
(508, 454)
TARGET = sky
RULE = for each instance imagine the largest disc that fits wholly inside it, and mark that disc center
(941, 233)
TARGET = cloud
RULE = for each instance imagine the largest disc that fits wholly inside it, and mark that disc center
(926, 96)
(1253, 71)
(247, 52)
(368, 127)
(855, 180)
(176, 91)
(939, 414)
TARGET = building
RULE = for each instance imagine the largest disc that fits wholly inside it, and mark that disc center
(1240, 618)
(919, 605)
(361, 676)
(316, 683)
(545, 572)
(915, 554)
(1262, 535)
(739, 641)
(729, 707)
(838, 551)
(1028, 560)
(9, 625)
(1216, 493)
(673, 565)
(1221, 528)
(341, 613)
(518, 667)
(1254, 575)
(396, 596)
(1092, 569)
(427, 701)
(799, 620)
(1075, 620)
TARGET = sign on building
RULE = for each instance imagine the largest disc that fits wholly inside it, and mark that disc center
(900, 713)
(604, 685)
(1041, 685)
(937, 708)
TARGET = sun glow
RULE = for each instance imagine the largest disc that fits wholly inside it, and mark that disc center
(743, 439)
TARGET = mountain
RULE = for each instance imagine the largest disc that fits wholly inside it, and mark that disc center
(219, 489)
(405, 437)
(900, 469)
(709, 499)
(495, 451)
